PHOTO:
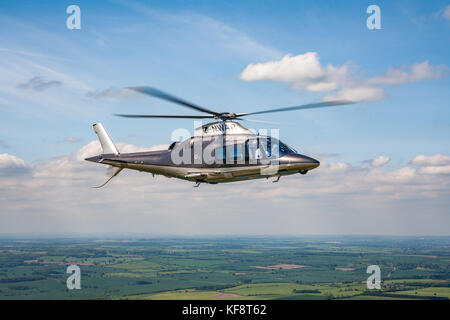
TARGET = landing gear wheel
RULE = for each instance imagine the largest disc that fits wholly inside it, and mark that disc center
(303, 171)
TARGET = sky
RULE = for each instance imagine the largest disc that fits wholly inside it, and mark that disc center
(385, 160)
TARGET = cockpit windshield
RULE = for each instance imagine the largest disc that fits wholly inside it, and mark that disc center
(268, 147)
(276, 148)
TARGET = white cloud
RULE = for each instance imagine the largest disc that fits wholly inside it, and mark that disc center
(11, 165)
(302, 67)
(39, 84)
(319, 86)
(436, 160)
(402, 175)
(413, 73)
(10, 161)
(304, 71)
(438, 164)
(380, 161)
(365, 93)
(335, 198)
(435, 170)
(335, 167)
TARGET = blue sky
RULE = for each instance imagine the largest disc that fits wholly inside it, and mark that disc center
(199, 50)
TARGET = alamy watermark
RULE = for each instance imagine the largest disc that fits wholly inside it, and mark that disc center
(374, 280)
(74, 281)
(373, 22)
(74, 20)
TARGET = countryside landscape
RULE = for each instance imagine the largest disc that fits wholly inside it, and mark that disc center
(217, 268)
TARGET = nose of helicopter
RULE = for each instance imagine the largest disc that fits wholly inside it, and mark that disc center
(299, 161)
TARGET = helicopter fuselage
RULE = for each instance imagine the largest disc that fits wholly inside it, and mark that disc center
(216, 159)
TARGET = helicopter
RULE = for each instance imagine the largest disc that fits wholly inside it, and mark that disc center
(219, 152)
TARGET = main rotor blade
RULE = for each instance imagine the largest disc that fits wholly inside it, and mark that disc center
(266, 122)
(164, 116)
(165, 96)
(304, 106)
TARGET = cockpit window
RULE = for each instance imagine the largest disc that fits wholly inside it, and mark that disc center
(267, 147)
(276, 148)
(285, 149)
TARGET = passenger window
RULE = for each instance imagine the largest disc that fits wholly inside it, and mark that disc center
(219, 153)
(251, 148)
(256, 150)
(275, 150)
(239, 152)
(233, 152)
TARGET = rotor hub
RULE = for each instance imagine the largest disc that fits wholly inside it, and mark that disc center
(226, 116)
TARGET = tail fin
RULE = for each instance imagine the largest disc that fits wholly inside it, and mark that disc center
(107, 145)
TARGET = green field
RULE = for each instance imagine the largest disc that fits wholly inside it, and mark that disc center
(249, 268)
